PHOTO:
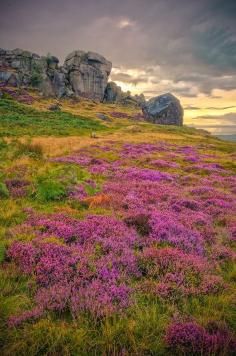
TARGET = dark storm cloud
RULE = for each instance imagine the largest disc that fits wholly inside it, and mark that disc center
(190, 43)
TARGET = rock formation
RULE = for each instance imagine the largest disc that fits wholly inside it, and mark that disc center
(164, 109)
(87, 73)
(83, 74)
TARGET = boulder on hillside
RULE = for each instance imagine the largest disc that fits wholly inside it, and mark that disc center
(164, 110)
(55, 107)
(87, 73)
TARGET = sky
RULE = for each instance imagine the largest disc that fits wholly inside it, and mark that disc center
(187, 47)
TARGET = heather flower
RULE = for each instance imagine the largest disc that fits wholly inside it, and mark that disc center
(187, 338)
(145, 174)
(212, 284)
(164, 164)
(17, 187)
(24, 255)
(165, 227)
(100, 298)
(165, 235)
(222, 253)
(35, 313)
(191, 338)
(78, 192)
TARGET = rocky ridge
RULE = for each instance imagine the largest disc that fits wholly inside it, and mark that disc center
(83, 74)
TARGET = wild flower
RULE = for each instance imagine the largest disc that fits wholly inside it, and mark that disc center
(164, 235)
(191, 338)
(166, 227)
(134, 173)
(17, 187)
(164, 164)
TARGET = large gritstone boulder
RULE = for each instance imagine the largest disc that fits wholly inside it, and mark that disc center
(164, 110)
(87, 73)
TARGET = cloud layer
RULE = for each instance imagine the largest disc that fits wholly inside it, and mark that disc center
(187, 47)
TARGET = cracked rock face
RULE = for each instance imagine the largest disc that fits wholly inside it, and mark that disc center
(164, 110)
(88, 73)
(83, 73)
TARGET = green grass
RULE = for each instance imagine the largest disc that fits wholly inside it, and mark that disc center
(20, 120)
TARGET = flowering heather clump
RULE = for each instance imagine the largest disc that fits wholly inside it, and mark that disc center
(165, 227)
(78, 192)
(78, 159)
(119, 115)
(223, 253)
(22, 96)
(136, 150)
(145, 174)
(23, 255)
(207, 167)
(17, 187)
(192, 339)
(100, 298)
(177, 273)
(88, 272)
(164, 164)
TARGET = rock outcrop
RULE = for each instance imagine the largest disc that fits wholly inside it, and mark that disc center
(164, 109)
(83, 74)
(87, 73)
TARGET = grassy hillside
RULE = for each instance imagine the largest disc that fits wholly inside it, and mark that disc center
(117, 237)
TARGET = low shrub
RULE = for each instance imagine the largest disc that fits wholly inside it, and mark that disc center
(50, 190)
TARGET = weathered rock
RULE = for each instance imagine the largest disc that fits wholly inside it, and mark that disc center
(87, 73)
(164, 109)
(103, 117)
(55, 107)
(21, 68)
(52, 62)
(84, 74)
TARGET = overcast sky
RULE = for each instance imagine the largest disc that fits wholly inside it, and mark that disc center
(187, 47)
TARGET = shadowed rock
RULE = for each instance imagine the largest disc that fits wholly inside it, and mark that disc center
(164, 109)
(114, 94)
(87, 73)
